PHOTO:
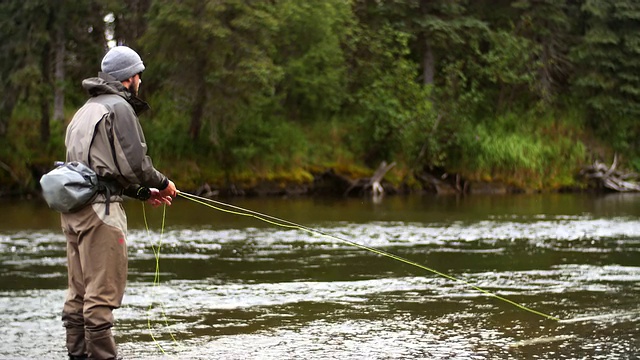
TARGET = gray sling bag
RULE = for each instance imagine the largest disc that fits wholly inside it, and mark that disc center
(72, 185)
(69, 186)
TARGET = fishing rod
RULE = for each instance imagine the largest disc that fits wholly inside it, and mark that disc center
(214, 204)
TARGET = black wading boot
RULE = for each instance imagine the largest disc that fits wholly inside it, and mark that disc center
(78, 357)
(101, 345)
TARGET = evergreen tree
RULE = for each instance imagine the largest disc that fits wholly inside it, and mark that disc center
(549, 24)
(215, 59)
(26, 50)
(309, 43)
(608, 78)
(41, 41)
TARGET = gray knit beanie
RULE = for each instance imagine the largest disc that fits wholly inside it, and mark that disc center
(122, 62)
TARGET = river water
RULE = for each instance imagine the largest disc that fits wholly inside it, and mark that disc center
(235, 287)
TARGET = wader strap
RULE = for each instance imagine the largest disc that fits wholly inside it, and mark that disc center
(108, 187)
(108, 202)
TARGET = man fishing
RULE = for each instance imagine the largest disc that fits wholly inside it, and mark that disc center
(106, 131)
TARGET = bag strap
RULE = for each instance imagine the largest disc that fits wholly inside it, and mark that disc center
(105, 185)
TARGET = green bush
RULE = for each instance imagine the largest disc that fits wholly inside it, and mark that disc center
(541, 158)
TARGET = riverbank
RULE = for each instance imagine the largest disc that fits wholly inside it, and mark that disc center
(333, 182)
(348, 179)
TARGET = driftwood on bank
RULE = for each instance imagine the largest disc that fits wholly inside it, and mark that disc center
(370, 185)
(443, 184)
(609, 177)
(332, 183)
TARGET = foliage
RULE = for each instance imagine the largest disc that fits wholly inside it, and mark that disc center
(508, 149)
(548, 25)
(507, 90)
(309, 51)
(387, 101)
(608, 63)
(220, 54)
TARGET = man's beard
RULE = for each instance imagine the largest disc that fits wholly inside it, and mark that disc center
(133, 90)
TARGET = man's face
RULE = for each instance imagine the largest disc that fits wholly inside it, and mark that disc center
(134, 86)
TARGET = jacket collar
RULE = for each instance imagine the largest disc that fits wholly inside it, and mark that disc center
(107, 84)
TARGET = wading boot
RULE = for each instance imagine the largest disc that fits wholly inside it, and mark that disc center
(78, 357)
(76, 344)
(101, 345)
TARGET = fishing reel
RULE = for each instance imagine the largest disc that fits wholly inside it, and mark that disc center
(141, 193)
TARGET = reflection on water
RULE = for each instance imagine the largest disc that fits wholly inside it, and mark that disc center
(232, 287)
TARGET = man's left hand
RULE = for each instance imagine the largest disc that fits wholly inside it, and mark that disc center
(156, 199)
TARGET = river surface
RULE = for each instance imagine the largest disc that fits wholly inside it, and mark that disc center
(235, 287)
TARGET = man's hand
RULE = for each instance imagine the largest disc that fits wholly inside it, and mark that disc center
(158, 199)
(170, 190)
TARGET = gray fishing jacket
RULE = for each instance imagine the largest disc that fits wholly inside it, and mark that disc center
(106, 135)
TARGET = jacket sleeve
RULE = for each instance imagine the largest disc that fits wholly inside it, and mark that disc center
(130, 150)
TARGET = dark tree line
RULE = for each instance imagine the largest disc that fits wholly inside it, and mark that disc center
(506, 90)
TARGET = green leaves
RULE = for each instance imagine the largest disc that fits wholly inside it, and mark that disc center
(255, 84)
(608, 66)
(309, 49)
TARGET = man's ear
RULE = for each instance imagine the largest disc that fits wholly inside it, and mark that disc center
(127, 82)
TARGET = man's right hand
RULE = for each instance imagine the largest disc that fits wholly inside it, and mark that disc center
(170, 190)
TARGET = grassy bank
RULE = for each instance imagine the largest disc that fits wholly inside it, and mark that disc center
(521, 151)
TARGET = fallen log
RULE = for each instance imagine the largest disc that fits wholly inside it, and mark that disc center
(332, 183)
(372, 184)
(442, 184)
(609, 177)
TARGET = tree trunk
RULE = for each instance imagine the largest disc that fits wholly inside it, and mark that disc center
(545, 80)
(7, 103)
(45, 107)
(200, 99)
(428, 64)
(45, 119)
(196, 114)
(58, 102)
(131, 23)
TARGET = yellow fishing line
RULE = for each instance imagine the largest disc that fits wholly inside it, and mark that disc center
(288, 224)
(156, 278)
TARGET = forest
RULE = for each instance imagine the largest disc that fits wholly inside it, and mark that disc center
(524, 93)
